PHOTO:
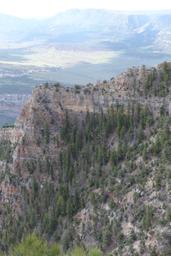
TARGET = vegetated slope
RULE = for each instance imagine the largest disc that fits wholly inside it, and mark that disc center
(91, 165)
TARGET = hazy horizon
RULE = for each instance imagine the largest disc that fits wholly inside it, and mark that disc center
(47, 8)
(136, 12)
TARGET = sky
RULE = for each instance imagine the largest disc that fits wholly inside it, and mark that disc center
(45, 8)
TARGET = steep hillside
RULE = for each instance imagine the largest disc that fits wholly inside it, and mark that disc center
(91, 165)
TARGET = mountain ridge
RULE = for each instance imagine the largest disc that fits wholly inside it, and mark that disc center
(78, 18)
(91, 165)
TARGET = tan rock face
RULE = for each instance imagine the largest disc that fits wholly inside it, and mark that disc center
(44, 113)
(12, 134)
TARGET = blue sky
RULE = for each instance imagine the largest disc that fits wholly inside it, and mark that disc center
(44, 8)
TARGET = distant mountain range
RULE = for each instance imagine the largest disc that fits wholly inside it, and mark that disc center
(140, 31)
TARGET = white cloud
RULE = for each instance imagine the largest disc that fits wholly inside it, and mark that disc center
(41, 8)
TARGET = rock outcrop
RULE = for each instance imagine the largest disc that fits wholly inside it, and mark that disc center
(35, 145)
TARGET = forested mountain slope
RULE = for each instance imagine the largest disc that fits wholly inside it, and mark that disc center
(91, 166)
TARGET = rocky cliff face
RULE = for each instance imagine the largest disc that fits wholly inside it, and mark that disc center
(48, 105)
(43, 163)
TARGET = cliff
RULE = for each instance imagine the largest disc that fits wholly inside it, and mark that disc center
(91, 164)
